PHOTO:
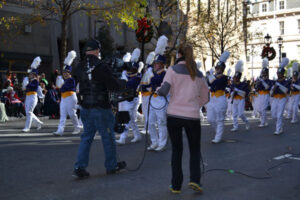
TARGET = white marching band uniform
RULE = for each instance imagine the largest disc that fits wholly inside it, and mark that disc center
(279, 93)
(238, 93)
(158, 104)
(157, 115)
(33, 90)
(68, 103)
(263, 86)
(133, 80)
(217, 106)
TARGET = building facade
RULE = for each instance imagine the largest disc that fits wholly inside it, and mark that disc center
(276, 18)
(17, 50)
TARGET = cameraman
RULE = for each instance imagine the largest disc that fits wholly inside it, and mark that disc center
(95, 81)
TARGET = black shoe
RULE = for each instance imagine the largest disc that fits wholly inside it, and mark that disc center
(80, 173)
(120, 165)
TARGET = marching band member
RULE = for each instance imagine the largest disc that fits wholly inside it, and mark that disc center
(158, 104)
(31, 85)
(239, 91)
(295, 93)
(263, 86)
(133, 80)
(279, 93)
(217, 106)
(68, 102)
(148, 74)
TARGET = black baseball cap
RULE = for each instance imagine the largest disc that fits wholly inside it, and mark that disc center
(92, 44)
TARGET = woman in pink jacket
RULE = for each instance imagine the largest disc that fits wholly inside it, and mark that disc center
(189, 92)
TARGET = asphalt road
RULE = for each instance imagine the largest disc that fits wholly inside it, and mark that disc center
(38, 166)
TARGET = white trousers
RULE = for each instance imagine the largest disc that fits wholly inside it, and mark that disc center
(30, 103)
(294, 106)
(216, 110)
(238, 109)
(277, 109)
(288, 107)
(158, 116)
(262, 102)
(255, 105)
(130, 106)
(229, 108)
(68, 107)
(145, 103)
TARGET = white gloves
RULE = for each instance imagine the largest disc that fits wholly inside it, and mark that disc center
(59, 81)
(281, 87)
(240, 92)
(123, 76)
(25, 83)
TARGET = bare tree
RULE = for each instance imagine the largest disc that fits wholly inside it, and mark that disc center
(223, 31)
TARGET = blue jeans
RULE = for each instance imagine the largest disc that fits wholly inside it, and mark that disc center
(101, 120)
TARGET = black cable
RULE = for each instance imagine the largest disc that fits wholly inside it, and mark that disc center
(147, 134)
(146, 141)
(267, 171)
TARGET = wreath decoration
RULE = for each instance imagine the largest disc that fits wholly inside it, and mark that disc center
(144, 32)
(268, 52)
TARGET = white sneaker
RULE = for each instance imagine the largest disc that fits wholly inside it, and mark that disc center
(136, 139)
(294, 121)
(120, 141)
(263, 125)
(39, 126)
(278, 132)
(152, 147)
(76, 131)
(234, 129)
(160, 148)
(58, 133)
(26, 130)
(247, 126)
(215, 141)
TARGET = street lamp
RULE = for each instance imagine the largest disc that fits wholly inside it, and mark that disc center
(268, 39)
(280, 41)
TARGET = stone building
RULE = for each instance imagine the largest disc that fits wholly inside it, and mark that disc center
(276, 18)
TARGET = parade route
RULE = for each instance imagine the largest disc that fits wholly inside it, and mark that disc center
(38, 165)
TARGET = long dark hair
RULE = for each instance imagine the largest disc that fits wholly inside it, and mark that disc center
(187, 53)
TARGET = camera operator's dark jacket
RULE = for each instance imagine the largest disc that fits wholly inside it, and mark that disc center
(94, 93)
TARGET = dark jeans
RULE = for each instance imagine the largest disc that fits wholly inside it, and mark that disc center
(101, 120)
(193, 132)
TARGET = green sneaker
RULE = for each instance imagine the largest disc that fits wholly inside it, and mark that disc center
(196, 187)
(173, 190)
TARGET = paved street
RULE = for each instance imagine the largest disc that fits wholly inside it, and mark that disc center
(38, 166)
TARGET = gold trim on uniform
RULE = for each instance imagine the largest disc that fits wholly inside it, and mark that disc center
(218, 93)
(238, 97)
(279, 96)
(67, 94)
(263, 92)
(30, 93)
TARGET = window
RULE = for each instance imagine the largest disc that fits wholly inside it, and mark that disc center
(264, 7)
(281, 5)
(249, 9)
(298, 25)
(281, 28)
